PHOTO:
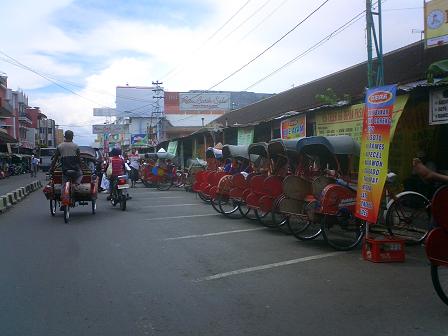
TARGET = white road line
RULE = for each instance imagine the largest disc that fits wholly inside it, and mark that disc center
(170, 205)
(174, 217)
(268, 266)
(161, 197)
(214, 234)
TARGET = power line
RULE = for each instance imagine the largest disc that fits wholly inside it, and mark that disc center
(245, 20)
(318, 44)
(270, 47)
(168, 74)
(265, 19)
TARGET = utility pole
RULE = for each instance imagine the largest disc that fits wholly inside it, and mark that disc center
(375, 70)
(158, 112)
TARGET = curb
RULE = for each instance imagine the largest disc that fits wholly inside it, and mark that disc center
(15, 196)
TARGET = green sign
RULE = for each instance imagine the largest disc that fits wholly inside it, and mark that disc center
(172, 147)
(245, 136)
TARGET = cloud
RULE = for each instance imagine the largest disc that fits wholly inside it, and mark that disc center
(101, 49)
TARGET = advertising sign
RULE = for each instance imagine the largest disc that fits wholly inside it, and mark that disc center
(436, 23)
(245, 136)
(349, 120)
(204, 101)
(293, 128)
(111, 129)
(172, 147)
(438, 107)
(139, 139)
(376, 135)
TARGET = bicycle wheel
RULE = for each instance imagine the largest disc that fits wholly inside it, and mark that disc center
(246, 212)
(264, 218)
(342, 231)
(305, 226)
(165, 183)
(53, 207)
(408, 217)
(439, 277)
(204, 197)
(229, 207)
(281, 221)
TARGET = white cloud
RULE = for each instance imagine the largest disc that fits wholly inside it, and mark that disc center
(115, 52)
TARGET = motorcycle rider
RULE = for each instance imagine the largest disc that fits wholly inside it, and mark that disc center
(118, 168)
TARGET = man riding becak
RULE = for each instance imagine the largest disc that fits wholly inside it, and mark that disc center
(69, 155)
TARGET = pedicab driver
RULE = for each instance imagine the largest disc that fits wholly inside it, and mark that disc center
(70, 157)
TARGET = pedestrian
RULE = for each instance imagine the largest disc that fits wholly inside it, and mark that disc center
(34, 165)
(134, 163)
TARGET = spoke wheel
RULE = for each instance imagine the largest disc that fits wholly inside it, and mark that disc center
(229, 207)
(305, 226)
(203, 197)
(281, 220)
(246, 212)
(408, 218)
(164, 183)
(53, 207)
(264, 218)
(343, 231)
(439, 276)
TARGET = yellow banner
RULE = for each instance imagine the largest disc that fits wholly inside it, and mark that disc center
(436, 23)
(348, 120)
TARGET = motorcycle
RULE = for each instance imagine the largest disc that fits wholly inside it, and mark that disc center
(120, 192)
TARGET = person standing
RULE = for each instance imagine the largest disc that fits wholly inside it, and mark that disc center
(34, 165)
(134, 163)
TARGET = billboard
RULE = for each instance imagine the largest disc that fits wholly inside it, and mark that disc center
(293, 128)
(438, 107)
(245, 136)
(171, 102)
(109, 129)
(104, 112)
(211, 102)
(436, 23)
(139, 139)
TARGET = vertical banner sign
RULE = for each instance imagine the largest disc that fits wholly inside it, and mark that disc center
(293, 128)
(172, 147)
(375, 141)
(245, 136)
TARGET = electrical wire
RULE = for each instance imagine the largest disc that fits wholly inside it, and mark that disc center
(315, 46)
(173, 70)
(268, 48)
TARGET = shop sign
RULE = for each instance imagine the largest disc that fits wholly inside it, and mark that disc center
(139, 139)
(348, 120)
(436, 23)
(172, 147)
(111, 129)
(245, 136)
(375, 141)
(438, 107)
(293, 128)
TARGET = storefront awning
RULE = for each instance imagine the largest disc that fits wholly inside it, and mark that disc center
(6, 138)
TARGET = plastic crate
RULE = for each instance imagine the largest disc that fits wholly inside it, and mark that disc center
(387, 249)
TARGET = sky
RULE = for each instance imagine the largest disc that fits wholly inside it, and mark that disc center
(68, 56)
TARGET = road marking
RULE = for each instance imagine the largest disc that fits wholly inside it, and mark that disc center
(268, 266)
(214, 234)
(169, 205)
(191, 216)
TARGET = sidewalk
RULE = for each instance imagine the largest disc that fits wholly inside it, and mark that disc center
(12, 183)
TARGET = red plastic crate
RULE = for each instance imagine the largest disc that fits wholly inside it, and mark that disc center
(387, 249)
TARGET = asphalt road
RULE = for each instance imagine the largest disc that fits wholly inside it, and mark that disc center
(170, 265)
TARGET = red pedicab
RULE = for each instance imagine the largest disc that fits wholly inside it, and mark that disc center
(146, 170)
(229, 192)
(201, 184)
(69, 196)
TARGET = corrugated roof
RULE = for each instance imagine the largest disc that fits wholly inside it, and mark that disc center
(404, 65)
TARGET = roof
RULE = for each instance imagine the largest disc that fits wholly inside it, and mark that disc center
(404, 65)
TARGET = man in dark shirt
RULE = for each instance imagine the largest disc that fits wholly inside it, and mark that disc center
(69, 155)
